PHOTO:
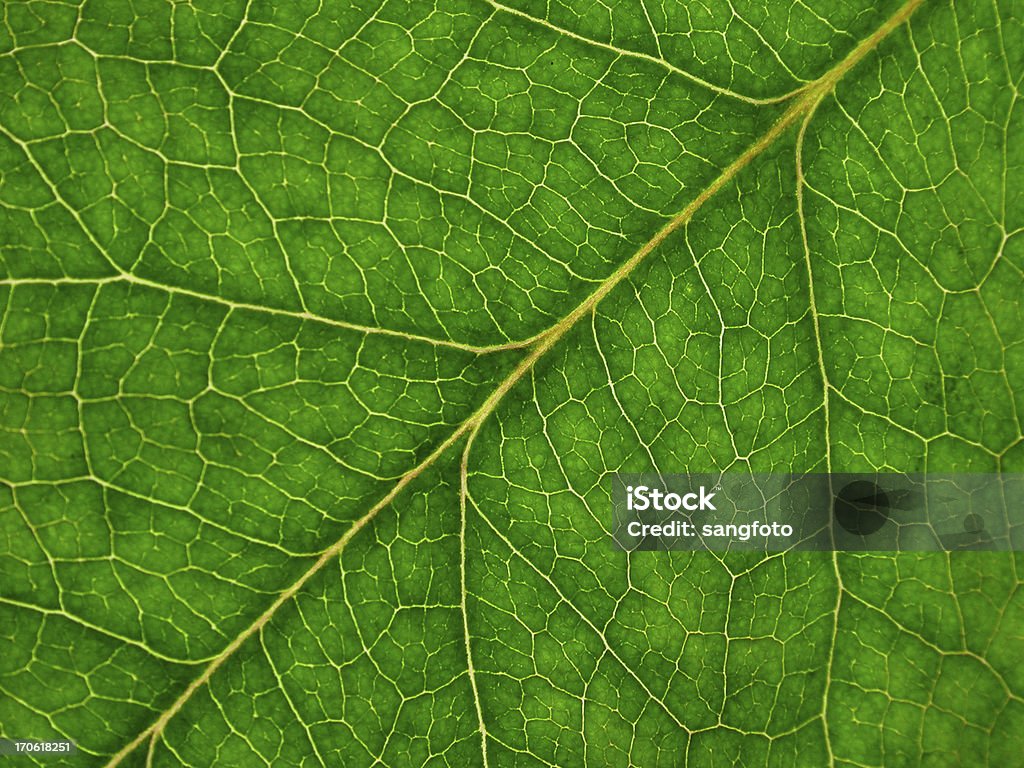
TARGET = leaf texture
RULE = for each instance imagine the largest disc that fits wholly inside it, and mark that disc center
(324, 325)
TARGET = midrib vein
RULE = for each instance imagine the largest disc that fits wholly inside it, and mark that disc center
(805, 101)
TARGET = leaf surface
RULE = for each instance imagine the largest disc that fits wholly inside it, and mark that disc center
(324, 327)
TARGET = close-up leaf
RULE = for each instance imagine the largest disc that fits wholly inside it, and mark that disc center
(325, 327)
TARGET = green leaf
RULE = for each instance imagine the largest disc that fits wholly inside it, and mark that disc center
(324, 327)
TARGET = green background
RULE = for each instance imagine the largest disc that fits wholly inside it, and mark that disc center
(260, 262)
